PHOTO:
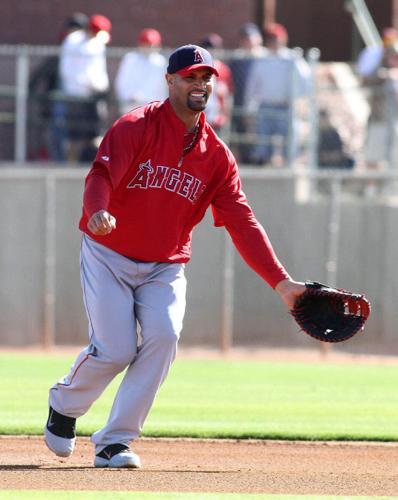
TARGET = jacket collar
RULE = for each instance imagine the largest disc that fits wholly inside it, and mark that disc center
(178, 123)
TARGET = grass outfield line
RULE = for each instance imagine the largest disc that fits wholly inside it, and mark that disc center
(220, 398)
(121, 495)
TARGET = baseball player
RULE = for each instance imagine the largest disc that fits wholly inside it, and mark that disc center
(158, 169)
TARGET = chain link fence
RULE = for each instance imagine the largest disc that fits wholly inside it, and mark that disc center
(29, 100)
(337, 122)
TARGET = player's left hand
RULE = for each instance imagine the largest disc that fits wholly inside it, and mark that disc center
(289, 290)
(330, 314)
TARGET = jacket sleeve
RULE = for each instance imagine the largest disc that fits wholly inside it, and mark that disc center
(97, 191)
(231, 209)
(114, 157)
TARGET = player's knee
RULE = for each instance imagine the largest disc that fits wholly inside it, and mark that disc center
(165, 338)
(121, 358)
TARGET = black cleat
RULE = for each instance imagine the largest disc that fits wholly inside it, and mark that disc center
(60, 433)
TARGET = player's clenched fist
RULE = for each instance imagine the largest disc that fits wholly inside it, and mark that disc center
(101, 223)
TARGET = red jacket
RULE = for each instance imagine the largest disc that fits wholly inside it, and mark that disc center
(138, 177)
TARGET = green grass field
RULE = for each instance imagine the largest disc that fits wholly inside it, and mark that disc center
(237, 399)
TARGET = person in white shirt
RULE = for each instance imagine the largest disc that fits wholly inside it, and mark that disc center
(377, 66)
(371, 58)
(84, 83)
(274, 82)
(250, 48)
(140, 77)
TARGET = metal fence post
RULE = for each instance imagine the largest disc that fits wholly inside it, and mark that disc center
(364, 21)
(227, 316)
(333, 243)
(334, 232)
(21, 103)
(305, 185)
(313, 56)
(50, 262)
(291, 133)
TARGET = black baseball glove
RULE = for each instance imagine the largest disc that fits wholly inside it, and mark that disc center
(330, 314)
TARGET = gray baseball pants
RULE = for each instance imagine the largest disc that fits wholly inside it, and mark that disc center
(119, 293)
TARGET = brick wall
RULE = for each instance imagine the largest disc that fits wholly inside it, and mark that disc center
(327, 25)
(311, 23)
(179, 21)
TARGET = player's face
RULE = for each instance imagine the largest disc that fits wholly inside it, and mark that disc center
(192, 90)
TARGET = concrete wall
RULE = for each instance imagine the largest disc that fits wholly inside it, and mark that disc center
(367, 250)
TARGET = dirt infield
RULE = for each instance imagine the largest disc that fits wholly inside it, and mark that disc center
(210, 466)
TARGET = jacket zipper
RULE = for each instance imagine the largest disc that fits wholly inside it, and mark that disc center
(191, 147)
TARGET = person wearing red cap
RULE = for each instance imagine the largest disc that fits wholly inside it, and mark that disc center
(150, 37)
(275, 35)
(84, 82)
(157, 171)
(140, 76)
(98, 23)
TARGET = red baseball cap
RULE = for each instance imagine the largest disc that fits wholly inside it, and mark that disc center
(98, 23)
(150, 37)
(188, 58)
(390, 36)
(275, 30)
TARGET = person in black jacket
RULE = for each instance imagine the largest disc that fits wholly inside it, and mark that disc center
(46, 116)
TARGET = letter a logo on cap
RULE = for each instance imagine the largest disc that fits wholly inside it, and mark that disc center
(198, 57)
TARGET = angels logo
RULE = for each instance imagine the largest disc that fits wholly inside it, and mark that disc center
(141, 178)
(171, 179)
(198, 57)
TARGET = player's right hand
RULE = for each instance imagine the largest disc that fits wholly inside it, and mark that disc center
(101, 223)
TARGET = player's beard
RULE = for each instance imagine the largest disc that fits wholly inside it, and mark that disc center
(194, 105)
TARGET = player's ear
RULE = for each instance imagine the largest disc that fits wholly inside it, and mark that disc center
(169, 78)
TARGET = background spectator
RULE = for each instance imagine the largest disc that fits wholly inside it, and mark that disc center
(371, 57)
(44, 91)
(141, 75)
(378, 68)
(219, 107)
(274, 82)
(331, 148)
(85, 84)
(250, 48)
